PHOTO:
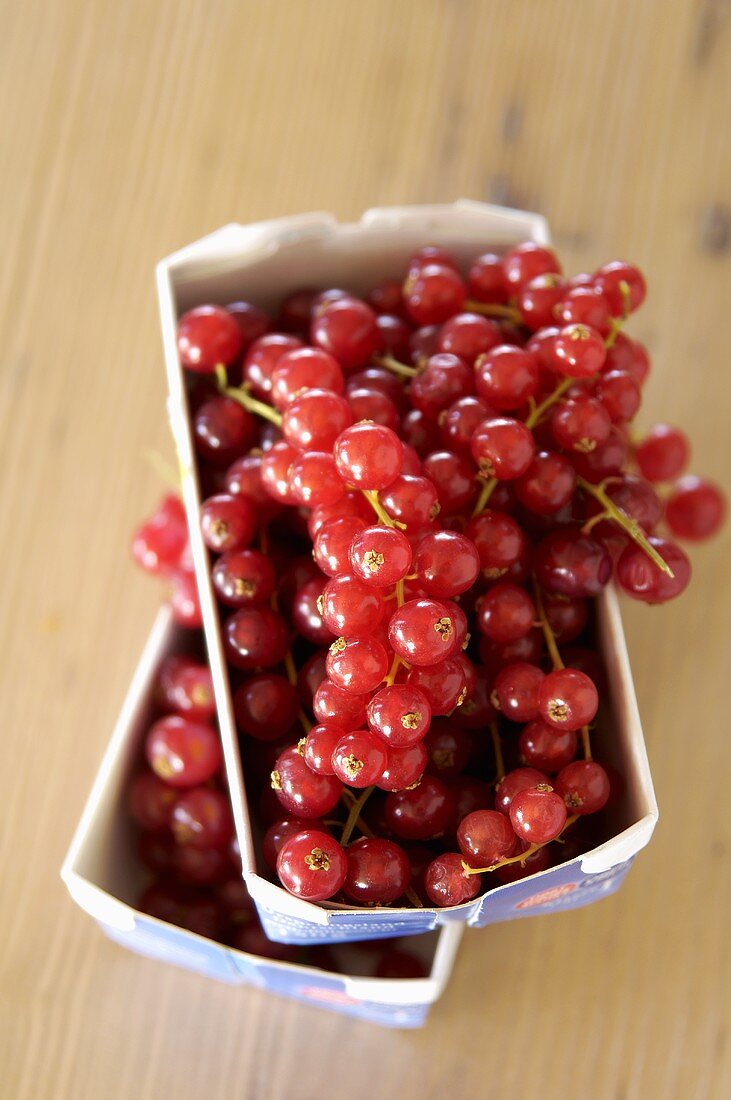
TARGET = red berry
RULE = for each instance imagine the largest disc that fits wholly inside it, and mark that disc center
(378, 871)
(227, 522)
(516, 780)
(448, 747)
(443, 684)
(459, 421)
(468, 335)
(640, 578)
(505, 613)
(584, 305)
(243, 577)
(547, 485)
(183, 753)
(447, 883)
(420, 813)
(577, 351)
(223, 430)
(313, 420)
(331, 545)
(538, 814)
(305, 612)
(347, 328)
(486, 280)
(150, 801)
(516, 688)
(184, 599)
(280, 832)
(400, 714)
(186, 686)
(262, 360)
(255, 637)
(368, 456)
(252, 321)
(447, 564)
(663, 454)
(485, 837)
(319, 748)
(312, 865)
(314, 479)
(622, 285)
(620, 394)
(303, 369)
(499, 540)
(546, 748)
(422, 632)
(539, 299)
(301, 791)
(159, 543)
(358, 665)
(502, 448)
(333, 706)
(276, 465)
(351, 607)
(527, 261)
(453, 476)
(266, 706)
(411, 500)
(404, 767)
(572, 564)
(695, 509)
(584, 786)
(380, 556)
(201, 818)
(506, 377)
(567, 699)
(433, 293)
(373, 404)
(580, 424)
(444, 379)
(359, 758)
(207, 336)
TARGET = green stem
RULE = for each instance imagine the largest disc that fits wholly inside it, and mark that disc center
(486, 492)
(239, 394)
(552, 398)
(516, 859)
(372, 497)
(624, 521)
(499, 762)
(492, 309)
(395, 665)
(551, 644)
(354, 814)
(395, 366)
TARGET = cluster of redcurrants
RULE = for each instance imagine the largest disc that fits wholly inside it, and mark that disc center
(456, 453)
(181, 806)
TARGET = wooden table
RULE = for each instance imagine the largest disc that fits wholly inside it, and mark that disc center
(132, 128)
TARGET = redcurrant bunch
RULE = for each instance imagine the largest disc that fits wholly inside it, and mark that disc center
(412, 499)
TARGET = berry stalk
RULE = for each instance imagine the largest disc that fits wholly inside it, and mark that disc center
(556, 659)
(521, 858)
(240, 395)
(612, 512)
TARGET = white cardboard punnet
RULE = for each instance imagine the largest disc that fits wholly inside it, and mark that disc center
(104, 877)
(262, 263)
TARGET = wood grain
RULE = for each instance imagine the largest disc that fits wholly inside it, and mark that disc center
(130, 129)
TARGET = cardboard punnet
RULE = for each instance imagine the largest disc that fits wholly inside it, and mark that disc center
(104, 876)
(262, 263)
